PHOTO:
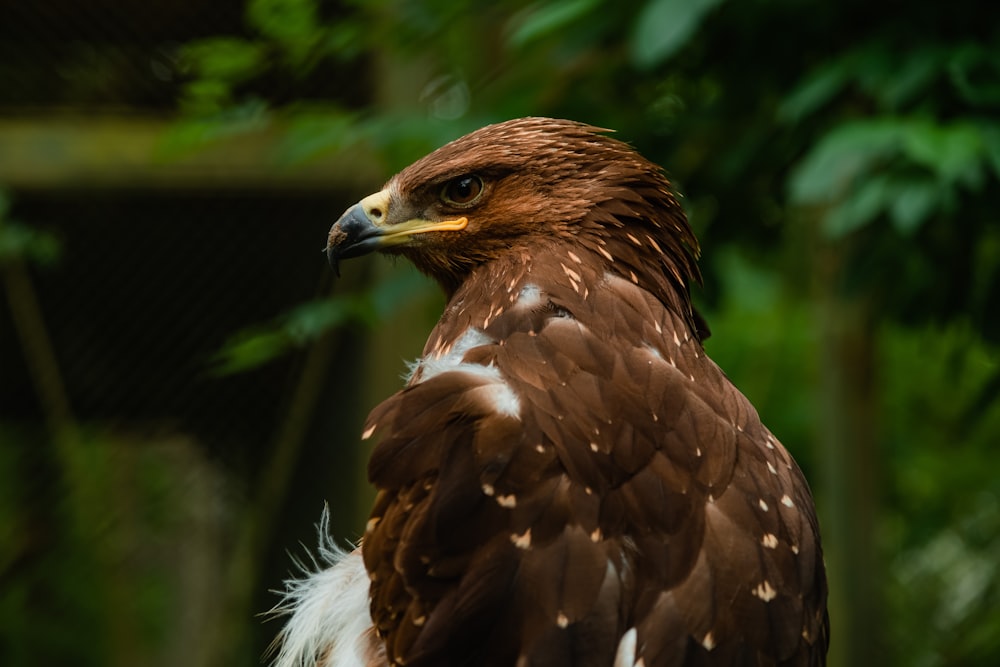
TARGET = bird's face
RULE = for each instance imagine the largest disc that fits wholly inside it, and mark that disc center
(498, 190)
(486, 193)
(388, 221)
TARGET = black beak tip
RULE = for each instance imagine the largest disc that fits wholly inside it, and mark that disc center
(331, 257)
(352, 235)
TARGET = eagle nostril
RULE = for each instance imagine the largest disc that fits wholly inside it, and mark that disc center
(375, 213)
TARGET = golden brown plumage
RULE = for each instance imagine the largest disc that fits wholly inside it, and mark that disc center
(566, 478)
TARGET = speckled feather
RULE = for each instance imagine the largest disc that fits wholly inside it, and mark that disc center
(579, 467)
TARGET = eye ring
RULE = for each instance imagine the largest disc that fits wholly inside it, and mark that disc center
(463, 191)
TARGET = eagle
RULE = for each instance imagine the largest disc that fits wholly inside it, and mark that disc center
(565, 478)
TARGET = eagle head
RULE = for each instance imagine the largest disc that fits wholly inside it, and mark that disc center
(508, 189)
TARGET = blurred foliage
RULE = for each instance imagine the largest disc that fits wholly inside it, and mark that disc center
(664, 26)
(115, 558)
(942, 510)
(304, 324)
(20, 241)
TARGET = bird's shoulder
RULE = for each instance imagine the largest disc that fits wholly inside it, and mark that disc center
(560, 356)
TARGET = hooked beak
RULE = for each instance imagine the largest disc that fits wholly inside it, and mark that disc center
(367, 226)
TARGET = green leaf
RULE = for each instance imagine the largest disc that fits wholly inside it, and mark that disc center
(546, 18)
(664, 26)
(991, 147)
(250, 349)
(291, 23)
(311, 320)
(818, 88)
(224, 58)
(19, 241)
(911, 77)
(953, 152)
(975, 73)
(860, 207)
(833, 165)
(313, 133)
(191, 134)
(345, 39)
(261, 344)
(203, 97)
(913, 204)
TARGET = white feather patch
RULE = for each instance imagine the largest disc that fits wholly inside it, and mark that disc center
(330, 624)
(427, 367)
(529, 296)
(502, 398)
(625, 655)
(497, 394)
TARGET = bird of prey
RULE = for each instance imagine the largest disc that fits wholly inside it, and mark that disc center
(566, 478)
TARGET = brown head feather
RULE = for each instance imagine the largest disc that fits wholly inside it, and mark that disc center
(552, 181)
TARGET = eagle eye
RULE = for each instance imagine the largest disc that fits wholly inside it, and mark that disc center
(463, 191)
